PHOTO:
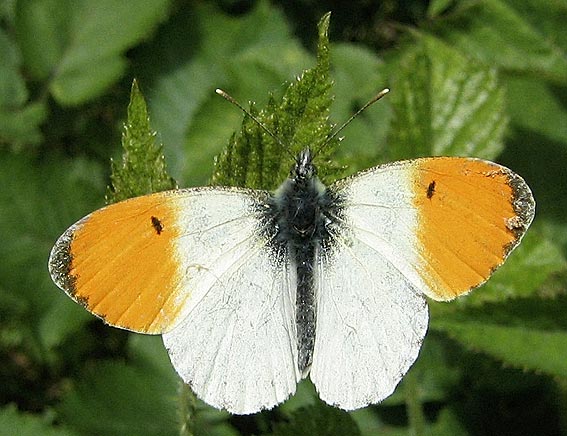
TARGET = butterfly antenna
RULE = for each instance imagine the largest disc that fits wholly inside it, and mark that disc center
(356, 114)
(232, 100)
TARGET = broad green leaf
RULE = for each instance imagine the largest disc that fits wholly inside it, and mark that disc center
(437, 7)
(192, 120)
(13, 422)
(370, 423)
(445, 104)
(83, 82)
(448, 423)
(547, 19)
(518, 36)
(12, 87)
(19, 120)
(537, 106)
(542, 162)
(149, 353)
(176, 100)
(48, 22)
(78, 45)
(300, 120)
(318, 420)
(7, 11)
(21, 126)
(116, 399)
(532, 313)
(432, 372)
(539, 350)
(39, 200)
(357, 78)
(142, 169)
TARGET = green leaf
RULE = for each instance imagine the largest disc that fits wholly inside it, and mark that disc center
(445, 104)
(116, 399)
(46, 21)
(437, 7)
(433, 374)
(525, 36)
(192, 120)
(535, 349)
(79, 45)
(318, 420)
(299, 120)
(448, 423)
(537, 106)
(358, 76)
(40, 200)
(7, 11)
(19, 120)
(12, 88)
(142, 170)
(13, 422)
(21, 126)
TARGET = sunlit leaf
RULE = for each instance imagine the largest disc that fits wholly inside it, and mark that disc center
(445, 104)
(82, 42)
(14, 423)
(520, 36)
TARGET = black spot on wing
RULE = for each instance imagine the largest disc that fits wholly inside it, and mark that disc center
(431, 189)
(157, 225)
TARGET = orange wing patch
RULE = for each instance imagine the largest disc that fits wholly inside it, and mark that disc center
(472, 214)
(120, 262)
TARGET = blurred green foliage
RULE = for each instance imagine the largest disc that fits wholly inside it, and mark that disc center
(486, 78)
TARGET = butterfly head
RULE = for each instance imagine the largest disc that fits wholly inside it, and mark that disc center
(303, 170)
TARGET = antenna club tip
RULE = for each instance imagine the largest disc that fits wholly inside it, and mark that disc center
(219, 91)
(379, 96)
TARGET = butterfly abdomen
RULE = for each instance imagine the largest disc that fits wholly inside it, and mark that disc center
(300, 206)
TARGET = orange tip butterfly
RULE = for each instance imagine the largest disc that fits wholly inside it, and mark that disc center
(254, 291)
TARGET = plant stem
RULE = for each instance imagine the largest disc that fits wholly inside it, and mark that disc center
(416, 419)
(186, 409)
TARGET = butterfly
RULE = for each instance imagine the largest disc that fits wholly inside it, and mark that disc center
(254, 291)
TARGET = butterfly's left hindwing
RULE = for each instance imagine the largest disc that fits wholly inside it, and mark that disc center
(371, 313)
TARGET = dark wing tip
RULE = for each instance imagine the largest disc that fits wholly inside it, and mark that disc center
(60, 262)
(523, 203)
(524, 206)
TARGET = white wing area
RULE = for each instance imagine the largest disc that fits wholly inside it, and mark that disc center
(371, 313)
(236, 344)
